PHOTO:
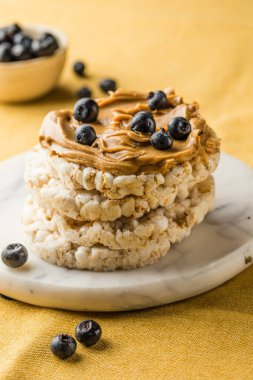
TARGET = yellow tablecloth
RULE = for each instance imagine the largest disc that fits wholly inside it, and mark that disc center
(204, 49)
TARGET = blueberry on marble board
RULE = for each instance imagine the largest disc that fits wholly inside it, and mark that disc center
(161, 140)
(14, 255)
(157, 100)
(88, 332)
(179, 128)
(63, 346)
(143, 122)
(86, 110)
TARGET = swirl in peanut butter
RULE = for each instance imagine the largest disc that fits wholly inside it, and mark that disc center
(119, 150)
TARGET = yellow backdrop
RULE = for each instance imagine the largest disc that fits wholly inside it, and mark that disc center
(203, 49)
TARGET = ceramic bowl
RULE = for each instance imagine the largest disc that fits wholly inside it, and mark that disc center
(30, 79)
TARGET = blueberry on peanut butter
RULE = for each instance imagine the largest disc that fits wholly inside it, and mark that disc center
(157, 100)
(161, 140)
(85, 135)
(179, 128)
(86, 110)
(143, 122)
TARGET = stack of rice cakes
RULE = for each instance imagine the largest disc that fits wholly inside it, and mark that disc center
(119, 203)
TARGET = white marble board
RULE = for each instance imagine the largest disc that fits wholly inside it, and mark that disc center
(217, 250)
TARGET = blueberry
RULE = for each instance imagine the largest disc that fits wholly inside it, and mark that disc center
(47, 35)
(4, 36)
(88, 332)
(14, 255)
(79, 68)
(85, 135)
(161, 140)
(6, 45)
(63, 346)
(37, 49)
(22, 39)
(86, 110)
(46, 45)
(50, 39)
(143, 122)
(108, 85)
(179, 128)
(5, 52)
(13, 29)
(20, 53)
(157, 100)
(84, 92)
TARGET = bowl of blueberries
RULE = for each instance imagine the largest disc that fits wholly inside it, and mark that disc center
(31, 61)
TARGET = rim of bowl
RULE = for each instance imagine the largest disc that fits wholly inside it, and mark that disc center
(60, 35)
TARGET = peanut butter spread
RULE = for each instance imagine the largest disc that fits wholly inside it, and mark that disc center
(119, 150)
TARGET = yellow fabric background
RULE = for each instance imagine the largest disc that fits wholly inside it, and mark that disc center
(204, 49)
